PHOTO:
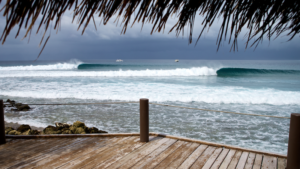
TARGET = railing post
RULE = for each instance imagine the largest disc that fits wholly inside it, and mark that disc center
(293, 156)
(144, 120)
(2, 124)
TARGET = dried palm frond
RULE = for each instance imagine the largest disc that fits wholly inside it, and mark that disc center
(259, 17)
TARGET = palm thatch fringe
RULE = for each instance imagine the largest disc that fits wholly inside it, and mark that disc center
(260, 17)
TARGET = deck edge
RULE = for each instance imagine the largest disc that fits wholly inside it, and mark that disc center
(138, 134)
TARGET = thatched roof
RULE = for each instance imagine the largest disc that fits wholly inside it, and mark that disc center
(259, 17)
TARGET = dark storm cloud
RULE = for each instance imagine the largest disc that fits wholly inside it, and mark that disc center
(107, 43)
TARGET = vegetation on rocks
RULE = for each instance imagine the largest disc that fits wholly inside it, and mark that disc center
(59, 128)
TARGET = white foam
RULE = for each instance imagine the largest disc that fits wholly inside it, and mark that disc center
(159, 92)
(73, 64)
(196, 71)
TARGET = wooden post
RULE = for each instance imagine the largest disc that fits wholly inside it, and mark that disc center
(293, 156)
(2, 124)
(144, 120)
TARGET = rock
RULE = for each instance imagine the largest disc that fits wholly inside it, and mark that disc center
(79, 130)
(14, 132)
(18, 104)
(93, 130)
(28, 132)
(79, 124)
(101, 131)
(8, 100)
(8, 129)
(23, 128)
(23, 107)
(13, 109)
(51, 130)
(4, 105)
(35, 132)
(62, 125)
(67, 132)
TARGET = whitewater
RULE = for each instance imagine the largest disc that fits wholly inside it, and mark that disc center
(254, 87)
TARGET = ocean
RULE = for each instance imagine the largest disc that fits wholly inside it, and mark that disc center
(254, 87)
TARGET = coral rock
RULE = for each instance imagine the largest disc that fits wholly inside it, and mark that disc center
(23, 128)
(8, 129)
(14, 132)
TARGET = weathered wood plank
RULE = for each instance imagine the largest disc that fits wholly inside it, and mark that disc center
(97, 159)
(242, 162)
(269, 162)
(257, 161)
(13, 157)
(120, 155)
(139, 154)
(200, 162)
(60, 155)
(45, 151)
(24, 146)
(281, 163)
(235, 160)
(65, 159)
(228, 159)
(158, 152)
(183, 156)
(212, 158)
(157, 158)
(193, 157)
(220, 159)
(250, 161)
(82, 158)
(163, 164)
(15, 142)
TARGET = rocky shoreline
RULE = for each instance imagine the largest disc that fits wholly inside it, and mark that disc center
(59, 128)
(16, 106)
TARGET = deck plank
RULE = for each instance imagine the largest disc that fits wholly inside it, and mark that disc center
(200, 162)
(257, 161)
(269, 162)
(157, 158)
(193, 157)
(235, 160)
(120, 155)
(281, 163)
(228, 159)
(16, 156)
(84, 157)
(250, 161)
(111, 152)
(16, 142)
(242, 162)
(182, 157)
(220, 159)
(46, 151)
(67, 154)
(25, 146)
(161, 150)
(212, 158)
(136, 156)
(163, 164)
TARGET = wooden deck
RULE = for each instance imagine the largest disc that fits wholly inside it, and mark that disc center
(128, 152)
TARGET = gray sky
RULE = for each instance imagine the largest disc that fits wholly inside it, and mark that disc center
(107, 43)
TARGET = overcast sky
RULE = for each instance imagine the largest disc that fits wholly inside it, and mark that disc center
(107, 43)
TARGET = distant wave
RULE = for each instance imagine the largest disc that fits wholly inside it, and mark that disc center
(72, 64)
(200, 71)
(246, 71)
(99, 66)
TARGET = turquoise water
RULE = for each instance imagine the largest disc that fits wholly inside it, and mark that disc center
(257, 87)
